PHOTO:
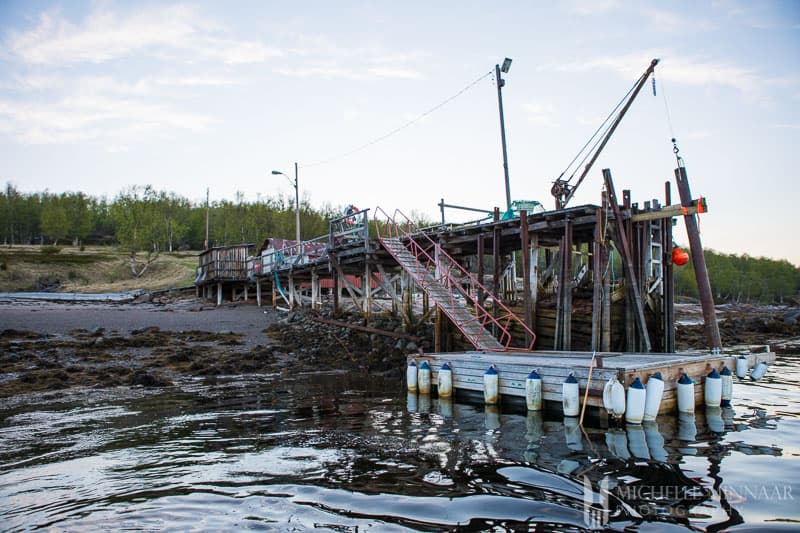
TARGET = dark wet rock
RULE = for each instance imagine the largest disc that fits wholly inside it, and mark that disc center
(147, 379)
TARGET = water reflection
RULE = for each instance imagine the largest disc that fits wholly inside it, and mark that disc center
(346, 452)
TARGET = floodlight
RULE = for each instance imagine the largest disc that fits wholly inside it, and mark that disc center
(506, 64)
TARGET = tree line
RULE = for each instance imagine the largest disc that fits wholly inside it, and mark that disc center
(146, 222)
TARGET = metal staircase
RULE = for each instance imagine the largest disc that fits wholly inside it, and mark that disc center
(449, 285)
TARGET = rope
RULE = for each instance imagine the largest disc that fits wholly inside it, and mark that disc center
(398, 129)
(605, 125)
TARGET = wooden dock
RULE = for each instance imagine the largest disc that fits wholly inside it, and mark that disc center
(468, 369)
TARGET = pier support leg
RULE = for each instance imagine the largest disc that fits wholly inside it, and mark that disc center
(526, 273)
(367, 292)
(597, 281)
(314, 290)
(258, 291)
(219, 294)
(699, 262)
(290, 288)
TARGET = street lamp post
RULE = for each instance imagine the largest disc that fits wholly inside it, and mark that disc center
(296, 200)
(500, 83)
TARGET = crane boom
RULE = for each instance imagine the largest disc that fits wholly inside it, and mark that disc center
(562, 190)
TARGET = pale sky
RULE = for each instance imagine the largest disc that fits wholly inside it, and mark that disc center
(98, 96)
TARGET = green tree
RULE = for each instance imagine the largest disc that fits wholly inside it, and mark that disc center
(139, 228)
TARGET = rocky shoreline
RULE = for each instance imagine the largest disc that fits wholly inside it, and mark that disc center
(50, 347)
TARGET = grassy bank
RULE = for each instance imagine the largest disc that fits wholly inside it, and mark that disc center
(91, 270)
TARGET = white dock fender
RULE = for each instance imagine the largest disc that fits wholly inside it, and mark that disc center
(533, 391)
(654, 392)
(445, 384)
(570, 397)
(614, 397)
(758, 371)
(424, 378)
(727, 386)
(491, 388)
(685, 394)
(411, 376)
(741, 366)
(634, 405)
(713, 389)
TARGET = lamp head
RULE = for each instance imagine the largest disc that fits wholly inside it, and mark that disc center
(277, 172)
(506, 65)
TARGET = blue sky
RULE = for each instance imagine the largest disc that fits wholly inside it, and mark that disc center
(98, 96)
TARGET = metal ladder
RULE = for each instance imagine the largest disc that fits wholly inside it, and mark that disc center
(448, 284)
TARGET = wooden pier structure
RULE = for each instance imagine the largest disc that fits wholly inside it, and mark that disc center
(545, 290)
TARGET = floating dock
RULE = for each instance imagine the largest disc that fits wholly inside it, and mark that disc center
(468, 369)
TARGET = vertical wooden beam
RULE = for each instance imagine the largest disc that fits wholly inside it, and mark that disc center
(314, 289)
(495, 268)
(245, 291)
(699, 262)
(481, 274)
(274, 292)
(669, 280)
(219, 293)
(534, 279)
(292, 301)
(258, 292)
(337, 295)
(367, 291)
(407, 311)
(627, 260)
(597, 281)
(526, 272)
(567, 305)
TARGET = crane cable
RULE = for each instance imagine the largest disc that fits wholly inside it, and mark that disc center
(398, 129)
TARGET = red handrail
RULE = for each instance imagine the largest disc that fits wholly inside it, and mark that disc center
(429, 269)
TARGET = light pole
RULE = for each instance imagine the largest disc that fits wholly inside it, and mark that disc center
(296, 200)
(500, 83)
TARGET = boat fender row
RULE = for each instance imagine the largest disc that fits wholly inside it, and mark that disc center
(757, 373)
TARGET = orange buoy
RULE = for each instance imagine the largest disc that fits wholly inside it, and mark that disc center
(679, 256)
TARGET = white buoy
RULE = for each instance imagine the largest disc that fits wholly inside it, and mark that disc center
(727, 386)
(491, 393)
(445, 384)
(758, 371)
(570, 397)
(614, 397)
(654, 391)
(713, 389)
(741, 367)
(411, 376)
(533, 391)
(424, 378)
(714, 419)
(685, 394)
(634, 406)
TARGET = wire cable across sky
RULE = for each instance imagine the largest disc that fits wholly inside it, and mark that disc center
(398, 129)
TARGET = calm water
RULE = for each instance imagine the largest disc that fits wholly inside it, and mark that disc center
(344, 452)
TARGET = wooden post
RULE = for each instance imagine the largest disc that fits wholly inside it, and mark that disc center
(407, 310)
(337, 296)
(258, 291)
(534, 282)
(669, 281)
(481, 274)
(438, 330)
(245, 291)
(567, 284)
(526, 272)
(699, 262)
(314, 290)
(627, 260)
(367, 292)
(495, 269)
(596, 281)
(290, 288)
(219, 293)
